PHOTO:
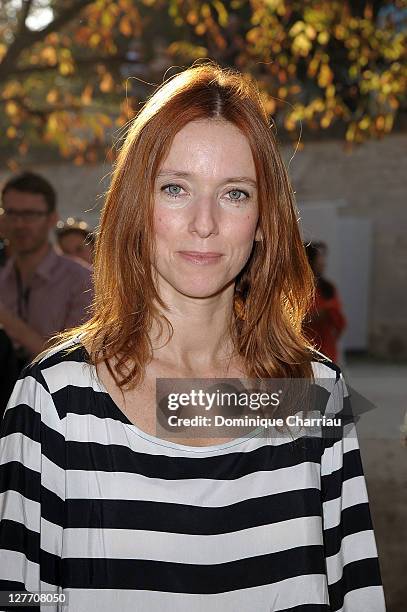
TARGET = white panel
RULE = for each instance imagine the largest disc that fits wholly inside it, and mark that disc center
(354, 282)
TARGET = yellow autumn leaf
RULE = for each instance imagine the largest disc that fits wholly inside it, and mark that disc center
(297, 28)
(106, 84)
(270, 106)
(323, 37)
(350, 132)
(205, 10)
(200, 29)
(86, 97)
(326, 120)
(114, 8)
(364, 123)
(313, 66)
(94, 40)
(310, 31)
(52, 38)
(65, 68)
(301, 45)
(11, 132)
(394, 103)
(12, 89)
(222, 13)
(340, 32)
(330, 91)
(125, 26)
(192, 17)
(289, 124)
(11, 109)
(107, 19)
(52, 96)
(379, 123)
(319, 105)
(388, 122)
(325, 76)
(49, 54)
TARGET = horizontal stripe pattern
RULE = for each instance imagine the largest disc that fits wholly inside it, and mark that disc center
(93, 507)
(191, 548)
(283, 596)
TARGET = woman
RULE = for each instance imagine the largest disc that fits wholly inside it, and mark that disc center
(326, 321)
(198, 233)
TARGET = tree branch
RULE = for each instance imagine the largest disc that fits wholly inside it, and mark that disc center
(21, 27)
(83, 61)
(42, 113)
(25, 38)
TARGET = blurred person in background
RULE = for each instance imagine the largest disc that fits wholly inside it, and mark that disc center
(75, 239)
(326, 320)
(8, 370)
(4, 244)
(41, 292)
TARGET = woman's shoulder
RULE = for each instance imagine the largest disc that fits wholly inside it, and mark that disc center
(59, 365)
(326, 374)
(40, 392)
(323, 366)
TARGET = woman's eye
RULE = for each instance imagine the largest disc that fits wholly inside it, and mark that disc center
(236, 193)
(174, 190)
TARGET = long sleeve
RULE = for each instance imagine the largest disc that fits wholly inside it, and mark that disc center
(352, 565)
(32, 489)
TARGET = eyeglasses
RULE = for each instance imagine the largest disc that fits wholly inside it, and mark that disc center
(26, 215)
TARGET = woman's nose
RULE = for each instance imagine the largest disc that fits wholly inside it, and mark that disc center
(205, 217)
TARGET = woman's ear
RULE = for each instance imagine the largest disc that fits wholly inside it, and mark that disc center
(259, 235)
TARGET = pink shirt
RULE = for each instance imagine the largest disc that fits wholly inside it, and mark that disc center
(58, 294)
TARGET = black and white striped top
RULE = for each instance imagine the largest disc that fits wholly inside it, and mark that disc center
(117, 519)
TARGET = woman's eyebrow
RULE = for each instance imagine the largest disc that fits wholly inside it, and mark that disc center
(237, 179)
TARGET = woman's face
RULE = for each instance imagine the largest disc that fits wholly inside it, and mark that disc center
(205, 200)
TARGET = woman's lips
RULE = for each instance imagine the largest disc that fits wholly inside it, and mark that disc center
(200, 257)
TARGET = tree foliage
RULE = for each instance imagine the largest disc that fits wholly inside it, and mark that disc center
(64, 81)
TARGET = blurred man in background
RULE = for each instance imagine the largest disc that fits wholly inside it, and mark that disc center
(8, 370)
(41, 292)
(4, 244)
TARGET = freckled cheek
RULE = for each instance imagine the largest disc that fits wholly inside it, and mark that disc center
(242, 232)
(166, 229)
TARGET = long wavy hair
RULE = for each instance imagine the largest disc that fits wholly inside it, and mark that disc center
(274, 289)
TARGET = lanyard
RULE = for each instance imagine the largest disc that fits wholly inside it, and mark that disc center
(23, 296)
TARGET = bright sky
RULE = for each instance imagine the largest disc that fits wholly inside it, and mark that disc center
(40, 13)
